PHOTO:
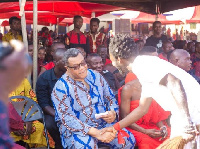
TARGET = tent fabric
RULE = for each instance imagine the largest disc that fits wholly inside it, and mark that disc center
(196, 16)
(6, 23)
(64, 7)
(149, 18)
(148, 6)
(49, 11)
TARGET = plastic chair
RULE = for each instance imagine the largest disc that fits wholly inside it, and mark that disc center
(29, 110)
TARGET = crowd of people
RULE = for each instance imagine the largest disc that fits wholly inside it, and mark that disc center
(146, 92)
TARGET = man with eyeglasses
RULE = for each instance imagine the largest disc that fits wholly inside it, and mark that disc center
(78, 96)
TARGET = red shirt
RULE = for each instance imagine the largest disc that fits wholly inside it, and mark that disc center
(107, 62)
(73, 40)
(49, 65)
(95, 42)
(48, 37)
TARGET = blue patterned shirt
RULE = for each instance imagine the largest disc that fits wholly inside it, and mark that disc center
(76, 105)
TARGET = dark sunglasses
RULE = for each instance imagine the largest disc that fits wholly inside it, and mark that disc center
(83, 63)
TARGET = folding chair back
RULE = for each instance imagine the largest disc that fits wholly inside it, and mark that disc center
(29, 110)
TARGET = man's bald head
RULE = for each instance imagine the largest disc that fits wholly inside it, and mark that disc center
(176, 54)
(58, 56)
(58, 53)
(56, 45)
(181, 58)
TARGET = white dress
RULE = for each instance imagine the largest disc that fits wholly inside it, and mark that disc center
(150, 70)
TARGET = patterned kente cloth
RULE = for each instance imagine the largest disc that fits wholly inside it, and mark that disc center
(76, 106)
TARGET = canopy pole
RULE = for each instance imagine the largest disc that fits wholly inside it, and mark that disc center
(57, 26)
(67, 27)
(23, 25)
(93, 15)
(156, 17)
(51, 26)
(35, 45)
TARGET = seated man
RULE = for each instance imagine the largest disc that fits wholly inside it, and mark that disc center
(94, 62)
(167, 47)
(77, 96)
(44, 87)
(181, 58)
(149, 131)
(103, 52)
(50, 65)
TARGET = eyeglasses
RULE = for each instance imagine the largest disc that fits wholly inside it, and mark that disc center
(76, 67)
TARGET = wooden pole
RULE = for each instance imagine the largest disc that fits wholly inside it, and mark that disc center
(23, 22)
(23, 25)
(35, 44)
(57, 26)
(93, 15)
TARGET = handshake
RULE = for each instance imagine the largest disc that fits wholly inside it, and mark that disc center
(105, 135)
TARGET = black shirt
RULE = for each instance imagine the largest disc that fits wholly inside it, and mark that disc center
(109, 77)
(44, 87)
(156, 42)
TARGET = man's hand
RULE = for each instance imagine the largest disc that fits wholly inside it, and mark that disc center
(110, 117)
(108, 129)
(28, 128)
(153, 133)
(106, 137)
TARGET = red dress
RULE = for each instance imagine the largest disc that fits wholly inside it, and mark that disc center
(162, 57)
(148, 121)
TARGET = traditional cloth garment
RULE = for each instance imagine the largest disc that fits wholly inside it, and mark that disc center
(148, 121)
(95, 42)
(76, 106)
(162, 57)
(37, 137)
(150, 70)
(9, 36)
(194, 60)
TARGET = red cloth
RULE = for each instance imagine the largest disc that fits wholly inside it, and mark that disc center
(108, 61)
(15, 121)
(48, 66)
(148, 121)
(162, 57)
(100, 39)
(130, 77)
